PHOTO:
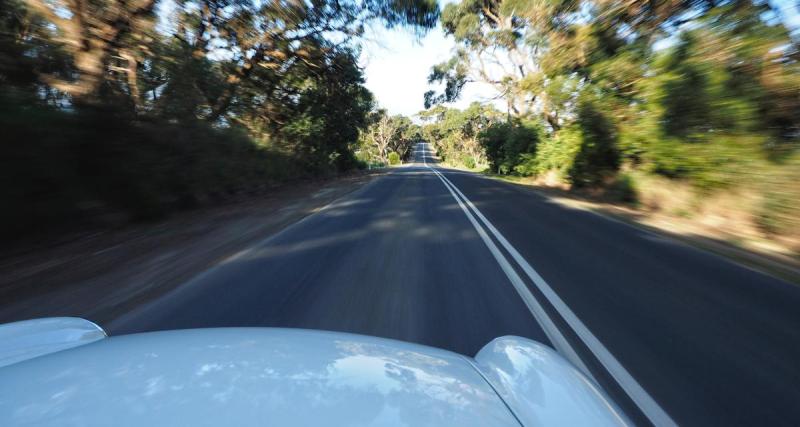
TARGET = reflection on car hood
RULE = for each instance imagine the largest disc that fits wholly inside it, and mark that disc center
(249, 376)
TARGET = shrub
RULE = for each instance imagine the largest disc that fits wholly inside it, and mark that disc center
(394, 158)
(82, 167)
(507, 143)
(598, 157)
(554, 154)
(584, 153)
(492, 139)
(469, 161)
(623, 189)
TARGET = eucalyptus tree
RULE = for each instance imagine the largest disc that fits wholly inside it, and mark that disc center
(100, 44)
(455, 134)
(506, 44)
(207, 51)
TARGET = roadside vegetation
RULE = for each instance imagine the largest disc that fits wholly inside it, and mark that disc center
(685, 108)
(387, 139)
(455, 133)
(120, 110)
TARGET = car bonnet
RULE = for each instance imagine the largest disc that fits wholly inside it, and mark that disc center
(249, 376)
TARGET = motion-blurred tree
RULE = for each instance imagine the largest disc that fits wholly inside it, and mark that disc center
(151, 105)
(505, 44)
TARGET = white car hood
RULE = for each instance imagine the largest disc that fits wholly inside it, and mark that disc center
(249, 376)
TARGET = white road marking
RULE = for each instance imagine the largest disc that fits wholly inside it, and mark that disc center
(640, 397)
(552, 332)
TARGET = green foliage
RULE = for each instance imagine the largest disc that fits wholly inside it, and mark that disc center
(81, 168)
(455, 133)
(731, 74)
(394, 158)
(717, 108)
(583, 154)
(555, 154)
(598, 157)
(468, 161)
(327, 118)
(698, 97)
(231, 97)
(508, 145)
(623, 189)
(493, 140)
(385, 133)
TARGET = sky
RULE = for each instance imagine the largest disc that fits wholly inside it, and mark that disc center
(397, 63)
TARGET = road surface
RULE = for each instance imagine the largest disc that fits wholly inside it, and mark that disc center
(452, 259)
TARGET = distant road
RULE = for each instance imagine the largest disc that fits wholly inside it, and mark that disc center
(452, 259)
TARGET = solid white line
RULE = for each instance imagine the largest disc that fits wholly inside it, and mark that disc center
(423, 147)
(550, 329)
(643, 400)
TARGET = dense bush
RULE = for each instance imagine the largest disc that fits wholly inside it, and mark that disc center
(394, 158)
(583, 154)
(623, 189)
(699, 96)
(597, 157)
(507, 143)
(556, 154)
(492, 140)
(69, 168)
(468, 161)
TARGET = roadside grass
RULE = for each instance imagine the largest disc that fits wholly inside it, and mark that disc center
(459, 165)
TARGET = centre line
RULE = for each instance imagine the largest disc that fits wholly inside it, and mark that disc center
(651, 409)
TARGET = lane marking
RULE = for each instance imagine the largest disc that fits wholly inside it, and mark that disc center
(553, 334)
(651, 409)
(423, 150)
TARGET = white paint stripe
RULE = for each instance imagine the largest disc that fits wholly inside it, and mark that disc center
(643, 400)
(552, 332)
(423, 148)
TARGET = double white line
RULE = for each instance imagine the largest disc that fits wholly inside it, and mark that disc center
(651, 409)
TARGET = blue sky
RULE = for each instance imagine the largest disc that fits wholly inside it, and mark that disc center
(397, 64)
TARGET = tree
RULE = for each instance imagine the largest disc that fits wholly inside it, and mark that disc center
(222, 97)
(387, 134)
(219, 47)
(455, 133)
(505, 44)
(102, 40)
(381, 133)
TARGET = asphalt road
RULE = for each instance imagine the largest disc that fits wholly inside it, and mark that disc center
(452, 259)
